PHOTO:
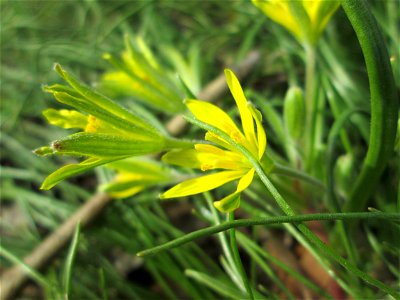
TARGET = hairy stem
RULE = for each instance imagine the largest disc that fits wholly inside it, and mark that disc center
(266, 222)
(321, 246)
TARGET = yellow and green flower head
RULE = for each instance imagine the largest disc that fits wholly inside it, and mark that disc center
(139, 75)
(222, 156)
(136, 174)
(109, 131)
(305, 19)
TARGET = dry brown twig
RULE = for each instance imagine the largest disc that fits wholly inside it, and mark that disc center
(14, 278)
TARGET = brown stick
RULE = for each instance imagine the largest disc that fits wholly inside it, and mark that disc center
(14, 278)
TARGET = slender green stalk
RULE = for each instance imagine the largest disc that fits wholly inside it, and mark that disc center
(265, 222)
(227, 250)
(70, 261)
(252, 246)
(266, 268)
(290, 212)
(334, 132)
(236, 256)
(282, 170)
(332, 200)
(384, 101)
(214, 284)
(178, 143)
(102, 285)
(308, 246)
(310, 103)
(321, 245)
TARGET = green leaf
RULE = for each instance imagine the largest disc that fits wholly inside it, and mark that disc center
(129, 127)
(98, 99)
(67, 273)
(106, 145)
(71, 170)
(218, 286)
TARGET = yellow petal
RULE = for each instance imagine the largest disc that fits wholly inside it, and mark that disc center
(187, 158)
(126, 193)
(220, 159)
(205, 157)
(245, 181)
(219, 141)
(245, 114)
(212, 157)
(66, 118)
(320, 13)
(201, 184)
(279, 12)
(311, 7)
(261, 136)
(213, 115)
(209, 148)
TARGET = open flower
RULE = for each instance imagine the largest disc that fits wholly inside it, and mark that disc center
(221, 156)
(305, 19)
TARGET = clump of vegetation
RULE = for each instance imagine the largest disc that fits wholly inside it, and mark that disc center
(200, 139)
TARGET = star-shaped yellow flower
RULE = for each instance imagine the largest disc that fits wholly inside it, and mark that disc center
(305, 19)
(222, 156)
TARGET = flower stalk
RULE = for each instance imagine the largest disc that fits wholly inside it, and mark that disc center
(187, 238)
(236, 256)
(287, 209)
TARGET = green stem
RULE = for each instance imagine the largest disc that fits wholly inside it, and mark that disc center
(333, 203)
(266, 222)
(172, 143)
(384, 101)
(282, 170)
(307, 245)
(250, 244)
(310, 103)
(236, 256)
(321, 246)
(223, 238)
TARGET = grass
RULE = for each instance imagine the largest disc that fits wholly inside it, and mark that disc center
(101, 260)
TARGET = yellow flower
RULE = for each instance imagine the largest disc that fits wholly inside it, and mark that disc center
(140, 75)
(135, 174)
(305, 19)
(221, 156)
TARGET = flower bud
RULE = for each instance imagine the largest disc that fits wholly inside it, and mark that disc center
(294, 112)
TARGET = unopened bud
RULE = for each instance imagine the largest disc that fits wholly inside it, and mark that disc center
(294, 112)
